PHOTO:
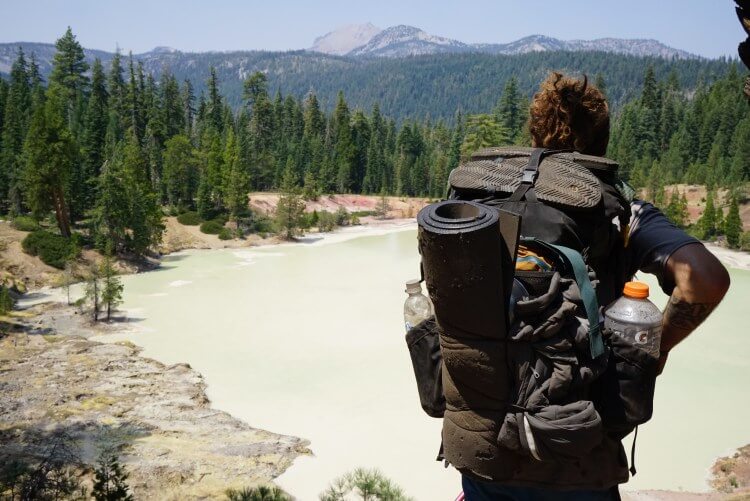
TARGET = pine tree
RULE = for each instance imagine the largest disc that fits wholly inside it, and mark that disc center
(482, 131)
(94, 132)
(69, 69)
(707, 222)
(51, 154)
(733, 224)
(215, 106)
(235, 179)
(187, 98)
(112, 288)
(15, 125)
(92, 292)
(110, 479)
(291, 207)
(110, 217)
(508, 112)
(344, 150)
(144, 213)
(180, 172)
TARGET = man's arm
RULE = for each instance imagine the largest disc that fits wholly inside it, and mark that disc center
(700, 284)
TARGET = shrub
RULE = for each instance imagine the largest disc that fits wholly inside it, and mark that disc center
(6, 300)
(25, 223)
(212, 227)
(363, 484)
(226, 234)
(745, 241)
(54, 250)
(326, 221)
(262, 224)
(260, 493)
(190, 219)
(342, 216)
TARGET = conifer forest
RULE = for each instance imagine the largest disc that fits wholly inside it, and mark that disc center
(102, 152)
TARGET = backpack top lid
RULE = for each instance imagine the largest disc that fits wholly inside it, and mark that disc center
(565, 177)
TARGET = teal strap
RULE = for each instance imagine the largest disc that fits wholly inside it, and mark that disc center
(575, 260)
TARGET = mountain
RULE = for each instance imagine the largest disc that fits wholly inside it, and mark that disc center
(345, 39)
(402, 41)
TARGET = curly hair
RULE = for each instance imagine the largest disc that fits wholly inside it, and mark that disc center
(568, 113)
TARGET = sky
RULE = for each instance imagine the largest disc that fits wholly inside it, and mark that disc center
(705, 27)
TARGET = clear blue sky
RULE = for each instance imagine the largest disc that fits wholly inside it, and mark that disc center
(705, 27)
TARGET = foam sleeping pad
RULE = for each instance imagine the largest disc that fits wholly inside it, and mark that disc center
(465, 261)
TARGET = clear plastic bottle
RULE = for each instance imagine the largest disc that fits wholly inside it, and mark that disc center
(636, 319)
(417, 306)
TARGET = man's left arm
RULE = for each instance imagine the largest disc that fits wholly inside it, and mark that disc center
(701, 282)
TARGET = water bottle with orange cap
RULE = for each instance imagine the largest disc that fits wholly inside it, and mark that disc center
(635, 319)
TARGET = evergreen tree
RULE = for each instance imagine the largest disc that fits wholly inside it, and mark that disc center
(180, 172)
(110, 217)
(50, 153)
(508, 112)
(707, 222)
(344, 149)
(215, 104)
(111, 292)
(482, 131)
(110, 479)
(93, 291)
(733, 224)
(291, 207)
(69, 69)
(94, 132)
(235, 179)
(15, 125)
(187, 97)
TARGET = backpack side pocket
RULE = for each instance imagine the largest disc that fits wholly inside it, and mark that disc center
(626, 394)
(423, 342)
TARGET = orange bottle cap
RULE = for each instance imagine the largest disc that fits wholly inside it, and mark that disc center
(637, 290)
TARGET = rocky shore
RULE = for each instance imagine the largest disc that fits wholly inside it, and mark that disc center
(54, 382)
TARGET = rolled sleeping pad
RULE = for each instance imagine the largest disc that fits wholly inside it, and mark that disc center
(462, 249)
(462, 258)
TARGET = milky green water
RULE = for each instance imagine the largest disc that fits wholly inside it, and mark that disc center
(307, 340)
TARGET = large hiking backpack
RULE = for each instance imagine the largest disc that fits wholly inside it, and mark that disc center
(575, 212)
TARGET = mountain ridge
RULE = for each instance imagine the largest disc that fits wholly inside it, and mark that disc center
(404, 40)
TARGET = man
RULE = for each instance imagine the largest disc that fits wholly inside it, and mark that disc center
(573, 115)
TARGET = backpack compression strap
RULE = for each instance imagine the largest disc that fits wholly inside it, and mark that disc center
(588, 295)
(530, 173)
(574, 260)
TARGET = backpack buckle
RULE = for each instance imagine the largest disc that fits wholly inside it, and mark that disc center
(529, 176)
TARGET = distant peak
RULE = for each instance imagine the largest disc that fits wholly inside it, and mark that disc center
(344, 39)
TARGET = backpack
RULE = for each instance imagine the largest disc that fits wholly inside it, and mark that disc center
(561, 395)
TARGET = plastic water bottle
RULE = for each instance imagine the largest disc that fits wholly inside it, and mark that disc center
(417, 307)
(636, 319)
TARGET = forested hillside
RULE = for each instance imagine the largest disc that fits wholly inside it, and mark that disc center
(106, 156)
(412, 87)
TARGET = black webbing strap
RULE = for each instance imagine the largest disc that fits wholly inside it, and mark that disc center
(632, 453)
(530, 174)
